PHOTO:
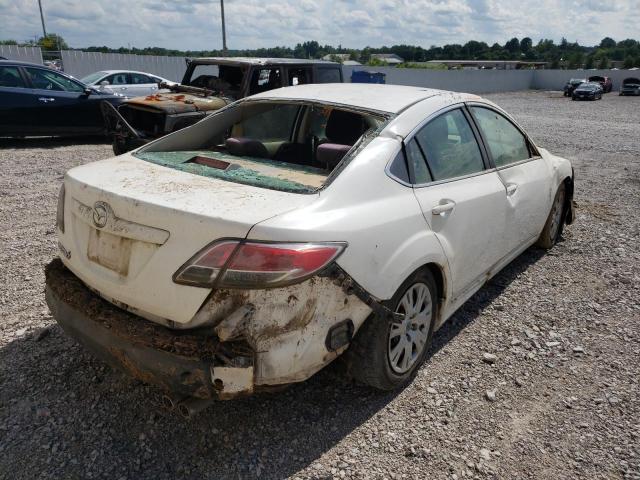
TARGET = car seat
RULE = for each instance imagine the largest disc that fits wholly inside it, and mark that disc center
(343, 130)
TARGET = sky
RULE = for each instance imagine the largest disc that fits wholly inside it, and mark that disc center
(195, 24)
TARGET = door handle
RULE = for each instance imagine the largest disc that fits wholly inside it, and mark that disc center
(511, 189)
(123, 88)
(443, 208)
(46, 99)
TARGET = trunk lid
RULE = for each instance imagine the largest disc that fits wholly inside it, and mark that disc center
(130, 224)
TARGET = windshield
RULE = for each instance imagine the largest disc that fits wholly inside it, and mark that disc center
(288, 146)
(94, 77)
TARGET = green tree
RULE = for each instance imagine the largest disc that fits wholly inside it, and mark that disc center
(603, 64)
(590, 62)
(575, 60)
(628, 62)
(512, 46)
(526, 44)
(52, 42)
(608, 42)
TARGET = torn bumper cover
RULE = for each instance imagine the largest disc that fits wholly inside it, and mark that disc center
(248, 341)
(185, 363)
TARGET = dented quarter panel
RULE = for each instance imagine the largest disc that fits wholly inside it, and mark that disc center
(286, 327)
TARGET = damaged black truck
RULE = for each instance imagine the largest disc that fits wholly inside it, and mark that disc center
(208, 85)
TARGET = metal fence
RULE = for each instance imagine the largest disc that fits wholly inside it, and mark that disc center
(80, 64)
(23, 54)
(470, 81)
(488, 81)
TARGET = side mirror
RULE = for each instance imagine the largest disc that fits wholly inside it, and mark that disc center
(104, 83)
(87, 91)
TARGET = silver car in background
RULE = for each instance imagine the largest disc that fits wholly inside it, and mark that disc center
(125, 82)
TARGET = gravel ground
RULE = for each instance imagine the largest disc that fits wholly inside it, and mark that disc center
(535, 377)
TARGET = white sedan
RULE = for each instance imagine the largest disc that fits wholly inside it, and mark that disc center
(256, 246)
(126, 82)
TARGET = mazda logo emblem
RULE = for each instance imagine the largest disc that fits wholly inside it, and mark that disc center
(100, 214)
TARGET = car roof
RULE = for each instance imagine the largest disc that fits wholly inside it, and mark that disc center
(19, 62)
(382, 98)
(109, 72)
(261, 61)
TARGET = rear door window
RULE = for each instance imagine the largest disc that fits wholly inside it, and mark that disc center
(328, 75)
(10, 77)
(299, 76)
(138, 78)
(118, 79)
(417, 164)
(265, 79)
(50, 80)
(506, 143)
(450, 146)
(274, 124)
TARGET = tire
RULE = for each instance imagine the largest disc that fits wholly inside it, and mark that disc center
(376, 356)
(553, 227)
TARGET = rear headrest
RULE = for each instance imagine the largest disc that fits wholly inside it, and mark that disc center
(246, 147)
(344, 127)
(330, 154)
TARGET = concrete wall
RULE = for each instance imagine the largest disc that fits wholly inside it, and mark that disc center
(470, 81)
(23, 54)
(555, 79)
(80, 64)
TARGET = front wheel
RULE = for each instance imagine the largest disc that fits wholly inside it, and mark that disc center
(553, 228)
(385, 354)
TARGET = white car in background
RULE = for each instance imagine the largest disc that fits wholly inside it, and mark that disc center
(256, 246)
(126, 82)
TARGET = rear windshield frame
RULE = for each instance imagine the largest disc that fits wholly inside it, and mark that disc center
(382, 116)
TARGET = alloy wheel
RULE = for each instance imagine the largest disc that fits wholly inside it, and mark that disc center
(408, 337)
(556, 215)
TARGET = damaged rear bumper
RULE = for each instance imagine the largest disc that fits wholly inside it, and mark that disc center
(251, 341)
(194, 364)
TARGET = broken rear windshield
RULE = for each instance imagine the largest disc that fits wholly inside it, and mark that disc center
(287, 146)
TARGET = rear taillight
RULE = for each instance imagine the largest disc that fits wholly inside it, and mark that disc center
(236, 264)
(60, 211)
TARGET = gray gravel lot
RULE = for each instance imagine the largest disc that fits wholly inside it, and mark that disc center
(564, 327)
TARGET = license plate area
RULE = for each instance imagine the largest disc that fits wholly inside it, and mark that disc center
(110, 251)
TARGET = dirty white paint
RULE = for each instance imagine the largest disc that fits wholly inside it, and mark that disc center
(148, 203)
(391, 229)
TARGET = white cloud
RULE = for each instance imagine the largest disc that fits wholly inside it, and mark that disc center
(195, 24)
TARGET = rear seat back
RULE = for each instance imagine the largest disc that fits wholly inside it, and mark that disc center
(246, 147)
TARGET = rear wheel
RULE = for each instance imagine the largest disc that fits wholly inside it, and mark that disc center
(386, 354)
(553, 227)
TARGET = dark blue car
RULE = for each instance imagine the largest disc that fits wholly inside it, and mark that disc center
(35, 100)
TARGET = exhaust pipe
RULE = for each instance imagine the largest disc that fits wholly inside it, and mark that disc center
(170, 401)
(190, 407)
